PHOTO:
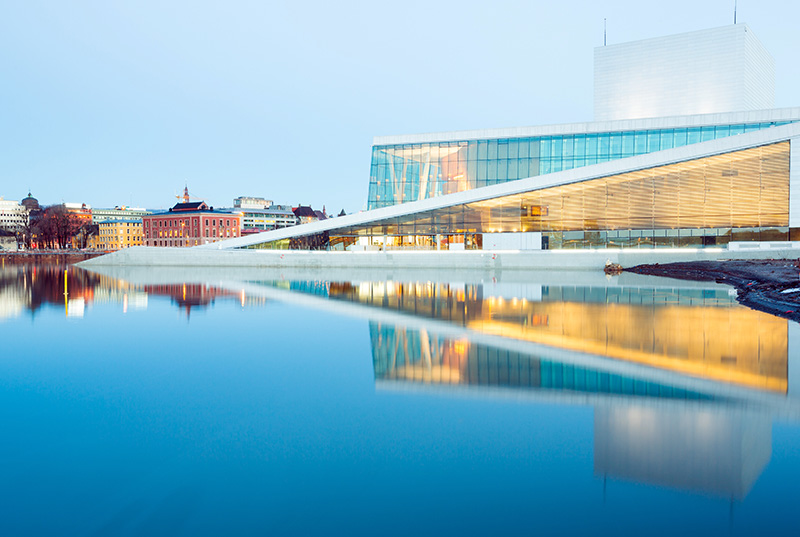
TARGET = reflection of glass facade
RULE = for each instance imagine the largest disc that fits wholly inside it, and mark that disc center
(409, 172)
(422, 356)
(696, 332)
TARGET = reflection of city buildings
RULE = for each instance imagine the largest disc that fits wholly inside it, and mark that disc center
(188, 296)
(29, 287)
(13, 301)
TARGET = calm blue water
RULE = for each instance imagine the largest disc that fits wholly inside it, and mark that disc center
(173, 403)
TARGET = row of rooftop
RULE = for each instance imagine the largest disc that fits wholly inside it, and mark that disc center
(123, 226)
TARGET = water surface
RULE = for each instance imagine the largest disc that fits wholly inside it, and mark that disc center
(242, 402)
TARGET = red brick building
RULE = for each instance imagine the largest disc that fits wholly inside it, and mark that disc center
(190, 224)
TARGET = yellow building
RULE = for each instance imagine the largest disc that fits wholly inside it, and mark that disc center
(117, 234)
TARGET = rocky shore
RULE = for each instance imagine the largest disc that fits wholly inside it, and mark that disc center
(770, 285)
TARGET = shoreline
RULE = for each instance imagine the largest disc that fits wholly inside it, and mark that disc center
(69, 257)
(768, 285)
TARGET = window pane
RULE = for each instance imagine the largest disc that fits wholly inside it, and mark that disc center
(591, 145)
(513, 149)
(640, 143)
(580, 146)
(502, 149)
(568, 147)
(679, 138)
(492, 149)
(472, 151)
(666, 139)
(483, 149)
(615, 145)
(627, 144)
(653, 141)
(604, 145)
(546, 148)
(523, 148)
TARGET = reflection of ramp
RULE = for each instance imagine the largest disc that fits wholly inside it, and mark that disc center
(505, 283)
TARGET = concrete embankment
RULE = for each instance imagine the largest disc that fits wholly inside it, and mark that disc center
(66, 257)
(443, 260)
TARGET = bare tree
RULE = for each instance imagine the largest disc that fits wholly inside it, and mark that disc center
(57, 227)
(25, 234)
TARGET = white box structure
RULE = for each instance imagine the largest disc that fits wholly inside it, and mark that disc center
(722, 69)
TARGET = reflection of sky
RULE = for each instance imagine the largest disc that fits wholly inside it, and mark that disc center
(267, 420)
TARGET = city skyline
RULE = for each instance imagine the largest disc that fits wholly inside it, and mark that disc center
(283, 101)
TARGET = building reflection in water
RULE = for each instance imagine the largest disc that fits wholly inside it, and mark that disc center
(717, 451)
(684, 381)
(647, 432)
(702, 333)
(30, 287)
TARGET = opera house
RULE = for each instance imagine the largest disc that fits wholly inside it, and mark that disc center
(686, 150)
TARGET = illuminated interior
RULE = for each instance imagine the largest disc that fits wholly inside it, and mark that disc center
(736, 196)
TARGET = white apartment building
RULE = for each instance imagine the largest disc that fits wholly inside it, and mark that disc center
(13, 215)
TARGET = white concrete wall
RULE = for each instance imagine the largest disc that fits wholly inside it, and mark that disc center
(718, 70)
(759, 72)
(794, 183)
(431, 260)
(512, 241)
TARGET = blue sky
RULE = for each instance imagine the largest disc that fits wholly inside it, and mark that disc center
(112, 103)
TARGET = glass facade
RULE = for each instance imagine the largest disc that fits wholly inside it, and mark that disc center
(737, 196)
(411, 172)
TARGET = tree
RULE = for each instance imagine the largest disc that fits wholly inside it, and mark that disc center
(56, 227)
(25, 234)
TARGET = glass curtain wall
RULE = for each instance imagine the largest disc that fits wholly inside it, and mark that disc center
(411, 172)
(737, 196)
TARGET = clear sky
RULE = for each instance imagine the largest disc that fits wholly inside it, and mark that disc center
(111, 103)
